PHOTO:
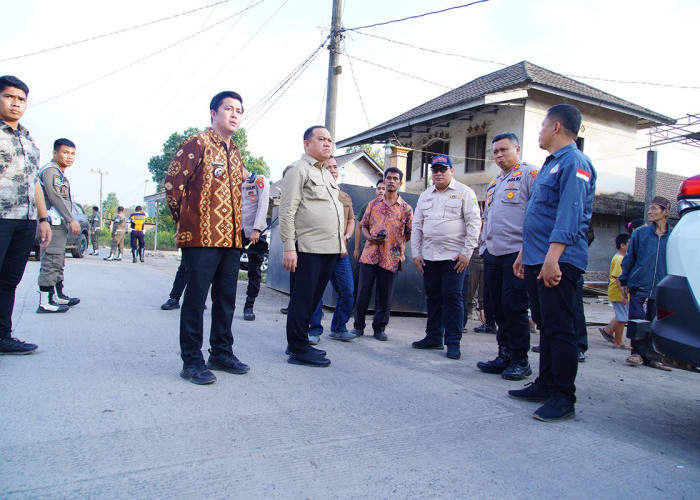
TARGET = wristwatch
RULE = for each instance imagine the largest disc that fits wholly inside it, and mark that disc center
(45, 219)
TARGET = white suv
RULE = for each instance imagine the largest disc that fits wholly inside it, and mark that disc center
(676, 329)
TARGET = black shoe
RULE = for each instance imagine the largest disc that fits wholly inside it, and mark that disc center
(134, 260)
(308, 358)
(535, 348)
(581, 357)
(532, 392)
(227, 362)
(198, 373)
(453, 352)
(171, 304)
(320, 352)
(284, 310)
(427, 343)
(380, 335)
(15, 346)
(357, 332)
(248, 314)
(485, 328)
(517, 370)
(557, 408)
(497, 365)
(61, 298)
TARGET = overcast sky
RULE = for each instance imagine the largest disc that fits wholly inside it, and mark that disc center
(119, 121)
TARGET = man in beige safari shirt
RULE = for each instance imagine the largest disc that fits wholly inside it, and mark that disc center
(311, 227)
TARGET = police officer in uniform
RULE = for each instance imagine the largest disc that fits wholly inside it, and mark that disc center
(56, 190)
(95, 229)
(137, 242)
(255, 192)
(118, 232)
(506, 199)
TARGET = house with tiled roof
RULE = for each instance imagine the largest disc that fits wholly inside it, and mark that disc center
(463, 121)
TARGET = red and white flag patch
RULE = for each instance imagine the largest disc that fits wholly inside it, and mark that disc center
(582, 174)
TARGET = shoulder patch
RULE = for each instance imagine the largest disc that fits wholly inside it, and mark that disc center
(260, 182)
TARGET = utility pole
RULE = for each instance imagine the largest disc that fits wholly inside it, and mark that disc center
(651, 180)
(333, 68)
(101, 174)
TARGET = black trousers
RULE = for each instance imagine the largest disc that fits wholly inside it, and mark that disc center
(555, 309)
(580, 317)
(307, 285)
(180, 281)
(16, 242)
(384, 294)
(256, 254)
(444, 301)
(508, 295)
(205, 267)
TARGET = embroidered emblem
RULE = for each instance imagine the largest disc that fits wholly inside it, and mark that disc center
(555, 169)
(510, 195)
(582, 174)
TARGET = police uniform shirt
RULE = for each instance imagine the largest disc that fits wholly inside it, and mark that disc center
(94, 221)
(506, 199)
(560, 208)
(446, 223)
(255, 192)
(56, 190)
(119, 223)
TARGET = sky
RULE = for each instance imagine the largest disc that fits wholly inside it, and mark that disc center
(119, 97)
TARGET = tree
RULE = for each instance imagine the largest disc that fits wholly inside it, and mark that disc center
(158, 165)
(375, 154)
(109, 206)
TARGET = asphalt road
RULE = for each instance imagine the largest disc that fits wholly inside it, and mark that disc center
(101, 412)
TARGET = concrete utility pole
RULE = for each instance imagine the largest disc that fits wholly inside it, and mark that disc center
(101, 174)
(333, 68)
(651, 180)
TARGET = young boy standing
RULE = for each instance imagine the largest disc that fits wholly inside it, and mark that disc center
(614, 330)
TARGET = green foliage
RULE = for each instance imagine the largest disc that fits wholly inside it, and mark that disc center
(158, 165)
(165, 219)
(374, 152)
(166, 240)
(109, 207)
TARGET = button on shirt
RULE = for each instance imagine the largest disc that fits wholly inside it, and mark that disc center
(560, 208)
(256, 197)
(446, 223)
(19, 168)
(310, 213)
(506, 199)
(396, 221)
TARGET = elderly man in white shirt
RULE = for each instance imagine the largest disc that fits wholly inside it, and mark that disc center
(446, 227)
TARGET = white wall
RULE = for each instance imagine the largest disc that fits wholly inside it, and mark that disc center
(358, 173)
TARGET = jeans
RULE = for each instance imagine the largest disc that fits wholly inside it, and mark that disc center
(443, 295)
(16, 242)
(554, 307)
(205, 267)
(342, 282)
(384, 294)
(508, 295)
(307, 285)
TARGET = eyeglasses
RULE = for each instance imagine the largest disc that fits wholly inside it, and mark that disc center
(439, 168)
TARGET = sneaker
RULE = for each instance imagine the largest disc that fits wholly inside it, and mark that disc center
(284, 310)
(15, 346)
(357, 332)
(427, 343)
(497, 365)
(198, 373)
(581, 358)
(342, 335)
(380, 335)
(518, 369)
(532, 392)
(556, 409)
(535, 348)
(248, 314)
(485, 328)
(314, 339)
(634, 360)
(227, 362)
(453, 352)
(171, 304)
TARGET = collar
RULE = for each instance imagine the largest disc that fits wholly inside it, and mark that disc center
(313, 161)
(564, 150)
(510, 172)
(216, 137)
(451, 185)
(20, 128)
(399, 201)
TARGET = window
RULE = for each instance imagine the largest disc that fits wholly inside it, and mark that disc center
(476, 154)
(579, 144)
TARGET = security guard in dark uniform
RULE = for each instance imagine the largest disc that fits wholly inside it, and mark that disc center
(95, 229)
(56, 190)
(137, 220)
(506, 198)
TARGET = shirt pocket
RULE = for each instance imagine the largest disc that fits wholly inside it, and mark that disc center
(549, 190)
(511, 195)
(425, 210)
(315, 188)
(453, 209)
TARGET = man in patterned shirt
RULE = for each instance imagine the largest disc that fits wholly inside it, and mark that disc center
(21, 200)
(386, 226)
(203, 192)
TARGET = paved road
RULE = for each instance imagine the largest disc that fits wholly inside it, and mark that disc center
(101, 412)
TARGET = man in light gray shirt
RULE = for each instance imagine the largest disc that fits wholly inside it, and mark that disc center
(255, 198)
(446, 227)
(506, 198)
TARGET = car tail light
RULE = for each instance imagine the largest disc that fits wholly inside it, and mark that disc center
(663, 313)
(689, 194)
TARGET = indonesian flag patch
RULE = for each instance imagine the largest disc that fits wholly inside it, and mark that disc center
(582, 174)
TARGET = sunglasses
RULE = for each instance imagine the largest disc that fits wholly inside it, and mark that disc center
(439, 168)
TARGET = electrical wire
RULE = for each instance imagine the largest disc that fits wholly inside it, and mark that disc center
(105, 35)
(416, 16)
(397, 71)
(133, 63)
(357, 87)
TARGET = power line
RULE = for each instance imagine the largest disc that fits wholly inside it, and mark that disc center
(357, 87)
(416, 16)
(124, 30)
(133, 63)
(397, 71)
